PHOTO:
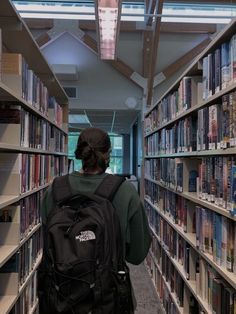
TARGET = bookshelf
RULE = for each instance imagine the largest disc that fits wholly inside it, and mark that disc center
(33, 150)
(189, 183)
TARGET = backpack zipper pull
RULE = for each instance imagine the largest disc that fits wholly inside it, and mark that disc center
(66, 234)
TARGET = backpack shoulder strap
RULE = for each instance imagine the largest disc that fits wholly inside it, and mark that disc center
(109, 186)
(61, 188)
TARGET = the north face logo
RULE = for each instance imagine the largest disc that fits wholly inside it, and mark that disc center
(86, 236)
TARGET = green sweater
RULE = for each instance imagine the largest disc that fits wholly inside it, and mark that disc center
(133, 220)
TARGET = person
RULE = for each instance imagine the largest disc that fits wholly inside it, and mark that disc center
(93, 149)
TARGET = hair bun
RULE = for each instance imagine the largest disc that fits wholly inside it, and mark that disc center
(92, 144)
(79, 152)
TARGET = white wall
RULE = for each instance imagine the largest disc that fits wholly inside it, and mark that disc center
(171, 48)
(100, 86)
(130, 50)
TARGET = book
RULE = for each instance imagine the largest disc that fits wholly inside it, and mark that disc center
(233, 57)
(217, 63)
(5, 215)
(192, 185)
(225, 65)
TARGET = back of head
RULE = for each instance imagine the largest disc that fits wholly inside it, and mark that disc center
(93, 148)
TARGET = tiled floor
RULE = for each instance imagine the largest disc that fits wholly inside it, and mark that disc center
(147, 299)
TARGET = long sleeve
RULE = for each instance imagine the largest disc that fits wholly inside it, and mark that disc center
(134, 223)
(138, 239)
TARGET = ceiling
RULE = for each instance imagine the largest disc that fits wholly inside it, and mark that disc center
(119, 121)
(114, 121)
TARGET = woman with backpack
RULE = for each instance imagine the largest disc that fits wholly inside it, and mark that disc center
(103, 242)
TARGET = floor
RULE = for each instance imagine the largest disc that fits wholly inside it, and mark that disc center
(146, 296)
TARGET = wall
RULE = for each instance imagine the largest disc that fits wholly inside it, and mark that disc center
(130, 50)
(171, 48)
(100, 86)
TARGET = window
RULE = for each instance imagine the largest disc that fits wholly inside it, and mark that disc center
(72, 143)
(117, 154)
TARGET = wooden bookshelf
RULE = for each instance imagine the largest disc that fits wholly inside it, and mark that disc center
(7, 94)
(224, 35)
(6, 200)
(37, 262)
(14, 148)
(21, 144)
(213, 152)
(7, 251)
(17, 38)
(173, 297)
(170, 199)
(191, 196)
(7, 302)
(191, 239)
(189, 283)
(34, 307)
(188, 112)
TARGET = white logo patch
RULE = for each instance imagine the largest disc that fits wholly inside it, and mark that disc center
(86, 236)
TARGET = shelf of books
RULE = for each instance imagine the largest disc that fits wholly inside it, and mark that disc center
(190, 184)
(33, 150)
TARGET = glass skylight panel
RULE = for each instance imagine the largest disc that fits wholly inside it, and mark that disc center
(198, 13)
(78, 118)
(131, 11)
(128, 11)
(56, 9)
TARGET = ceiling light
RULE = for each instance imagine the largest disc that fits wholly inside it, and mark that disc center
(108, 21)
(131, 102)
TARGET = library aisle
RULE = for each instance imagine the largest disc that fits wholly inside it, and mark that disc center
(146, 296)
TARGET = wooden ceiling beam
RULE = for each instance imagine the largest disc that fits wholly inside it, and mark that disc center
(39, 23)
(43, 39)
(131, 26)
(166, 27)
(90, 43)
(193, 28)
(190, 55)
(125, 26)
(123, 68)
(175, 66)
(147, 47)
(155, 43)
(117, 64)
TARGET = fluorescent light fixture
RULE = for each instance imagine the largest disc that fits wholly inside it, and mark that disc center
(79, 118)
(108, 23)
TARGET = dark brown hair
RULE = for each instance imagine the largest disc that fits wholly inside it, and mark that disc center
(92, 145)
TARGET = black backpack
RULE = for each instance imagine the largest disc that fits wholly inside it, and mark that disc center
(83, 269)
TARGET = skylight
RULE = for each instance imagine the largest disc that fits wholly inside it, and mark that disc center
(131, 11)
(78, 118)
